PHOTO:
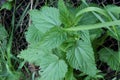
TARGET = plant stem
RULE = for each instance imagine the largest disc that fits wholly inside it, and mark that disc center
(9, 46)
(93, 26)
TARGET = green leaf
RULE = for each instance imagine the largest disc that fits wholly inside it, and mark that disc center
(95, 33)
(31, 55)
(115, 34)
(34, 55)
(65, 16)
(110, 57)
(114, 31)
(85, 36)
(53, 38)
(54, 71)
(33, 35)
(70, 75)
(6, 5)
(81, 57)
(38, 56)
(51, 67)
(3, 33)
(90, 19)
(45, 18)
(114, 9)
(46, 60)
(4, 70)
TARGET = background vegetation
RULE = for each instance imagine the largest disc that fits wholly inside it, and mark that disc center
(79, 40)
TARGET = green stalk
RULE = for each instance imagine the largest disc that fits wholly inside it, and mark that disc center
(93, 26)
(22, 16)
(92, 9)
(9, 46)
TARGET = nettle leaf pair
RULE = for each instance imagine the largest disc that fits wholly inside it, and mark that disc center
(60, 41)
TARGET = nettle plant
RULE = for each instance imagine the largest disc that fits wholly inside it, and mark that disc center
(60, 40)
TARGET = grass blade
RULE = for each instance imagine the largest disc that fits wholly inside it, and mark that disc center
(93, 26)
